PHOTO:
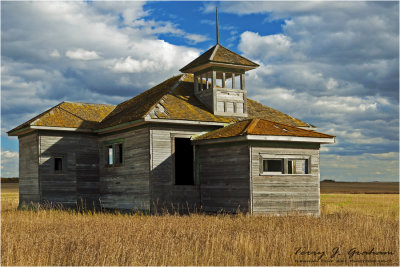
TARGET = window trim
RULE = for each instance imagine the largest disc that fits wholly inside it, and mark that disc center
(285, 158)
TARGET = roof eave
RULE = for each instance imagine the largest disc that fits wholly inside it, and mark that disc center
(31, 128)
(270, 138)
(121, 126)
(186, 122)
(138, 122)
(20, 131)
(321, 140)
(217, 64)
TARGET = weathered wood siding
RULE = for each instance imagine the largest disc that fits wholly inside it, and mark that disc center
(28, 169)
(127, 186)
(78, 182)
(164, 192)
(225, 177)
(279, 194)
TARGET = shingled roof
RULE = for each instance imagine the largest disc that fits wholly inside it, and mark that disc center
(260, 127)
(70, 115)
(219, 54)
(139, 106)
(174, 99)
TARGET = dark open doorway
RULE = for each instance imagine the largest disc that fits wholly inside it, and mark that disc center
(183, 161)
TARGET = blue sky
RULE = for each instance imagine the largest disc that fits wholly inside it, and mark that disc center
(332, 64)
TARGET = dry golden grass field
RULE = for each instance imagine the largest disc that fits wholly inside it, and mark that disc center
(353, 229)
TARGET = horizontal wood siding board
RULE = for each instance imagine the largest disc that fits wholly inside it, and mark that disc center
(29, 188)
(269, 188)
(305, 180)
(164, 192)
(288, 206)
(289, 197)
(224, 177)
(284, 145)
(126, 186)
(279, 194)
(80, 167)
(284, 212)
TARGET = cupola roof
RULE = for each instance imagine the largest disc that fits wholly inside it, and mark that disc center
(219, 56)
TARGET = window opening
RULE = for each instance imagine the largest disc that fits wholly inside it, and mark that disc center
(298, 166)
(273, 165)
(58, 164)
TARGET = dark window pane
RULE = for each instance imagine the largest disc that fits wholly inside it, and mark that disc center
(273, 165)
(306, 167)
(290, 166)
(120, 153)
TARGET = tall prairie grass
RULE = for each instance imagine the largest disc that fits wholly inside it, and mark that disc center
(361, 225)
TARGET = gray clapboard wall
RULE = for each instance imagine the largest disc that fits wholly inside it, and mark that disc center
(279, 194)
(164, 192)
(225, 177)
(28, 169)
(126, 186)
(78, 181)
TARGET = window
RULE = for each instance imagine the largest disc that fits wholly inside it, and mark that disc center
(114, 154)
(297, 166)
(284, 164)
(273, 165)
(183, 161)
(58, 163)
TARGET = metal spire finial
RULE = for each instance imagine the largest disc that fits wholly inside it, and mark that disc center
(217, 26)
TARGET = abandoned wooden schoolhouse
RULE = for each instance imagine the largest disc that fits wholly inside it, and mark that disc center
(194, 140)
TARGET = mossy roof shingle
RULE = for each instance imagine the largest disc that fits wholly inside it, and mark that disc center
(219, 54)
(139, 106)
(70, 115)
(172, 99)
(260, 127)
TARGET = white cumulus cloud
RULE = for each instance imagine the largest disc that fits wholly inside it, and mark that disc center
(81, 54)
(9, 163)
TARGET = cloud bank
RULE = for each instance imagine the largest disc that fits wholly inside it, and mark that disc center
(334, 65)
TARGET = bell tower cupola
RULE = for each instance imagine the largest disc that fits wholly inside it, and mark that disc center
(219, 79)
